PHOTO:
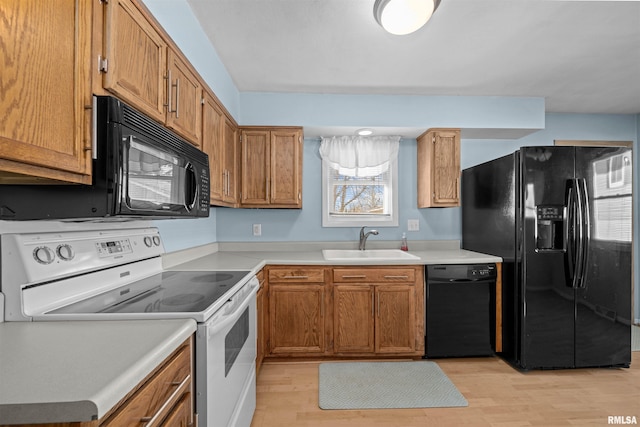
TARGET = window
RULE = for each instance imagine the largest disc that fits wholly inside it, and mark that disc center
(612, 204)
(359, 181)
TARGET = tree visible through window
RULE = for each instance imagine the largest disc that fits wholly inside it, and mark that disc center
(354, 195)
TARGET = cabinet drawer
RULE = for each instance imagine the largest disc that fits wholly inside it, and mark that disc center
(296, 274)
(169, 383)
(377, 275)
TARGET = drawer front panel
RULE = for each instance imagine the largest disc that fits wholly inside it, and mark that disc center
(296, 275)
(378, 275)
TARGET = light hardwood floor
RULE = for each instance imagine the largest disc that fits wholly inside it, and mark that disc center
(498, 395)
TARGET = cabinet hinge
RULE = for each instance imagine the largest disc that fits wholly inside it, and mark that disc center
(103, 64)
(104, 1)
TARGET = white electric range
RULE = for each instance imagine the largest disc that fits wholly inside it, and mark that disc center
(118, 275)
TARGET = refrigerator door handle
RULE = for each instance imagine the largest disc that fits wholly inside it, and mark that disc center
(584, 231)
(570, 233)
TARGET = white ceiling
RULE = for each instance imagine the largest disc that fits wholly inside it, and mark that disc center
(581, 56)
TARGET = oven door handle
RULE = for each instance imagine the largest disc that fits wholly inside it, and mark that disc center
(216, 324)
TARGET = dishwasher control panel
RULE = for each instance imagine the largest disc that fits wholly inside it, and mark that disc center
(461, 272)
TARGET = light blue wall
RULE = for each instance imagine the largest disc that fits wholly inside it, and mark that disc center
(480, 112)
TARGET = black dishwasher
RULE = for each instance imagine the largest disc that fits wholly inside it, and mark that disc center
(459, 310)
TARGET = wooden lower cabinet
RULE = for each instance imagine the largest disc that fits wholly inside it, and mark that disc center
(395, 319)
(353, 319)
(297, 318)
(345, 311)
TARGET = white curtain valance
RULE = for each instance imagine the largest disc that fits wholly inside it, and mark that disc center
(361, 156)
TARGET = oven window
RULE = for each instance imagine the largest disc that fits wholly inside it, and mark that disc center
(154, 177)
(234, 341)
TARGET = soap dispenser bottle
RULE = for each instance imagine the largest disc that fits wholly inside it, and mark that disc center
(403, 244)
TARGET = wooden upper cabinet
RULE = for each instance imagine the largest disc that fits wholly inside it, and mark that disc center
(286, 168)
(439, 168)
(133, 61)
(256, 167)
(45, 122)
(271, 167)
(184, 100)
(141, 67)
(212, 144)
(219, 141)
(231, 162)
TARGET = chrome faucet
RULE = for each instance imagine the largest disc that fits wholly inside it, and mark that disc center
(363, 237)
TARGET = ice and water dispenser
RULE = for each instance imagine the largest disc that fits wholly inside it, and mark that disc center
(550, 229)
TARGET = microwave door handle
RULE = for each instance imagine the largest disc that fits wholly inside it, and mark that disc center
(190, 187)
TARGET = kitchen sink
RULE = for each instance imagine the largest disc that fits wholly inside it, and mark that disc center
(368, 254)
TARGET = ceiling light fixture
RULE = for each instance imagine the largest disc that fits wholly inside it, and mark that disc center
(364, 132)
(402, 17)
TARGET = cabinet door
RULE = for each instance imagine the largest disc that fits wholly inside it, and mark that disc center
(44, 88)
(184, 112)
(395, 318)
(230, 156)
(353, 315)
(286, 168)
(256, 167)
(212, 144)
(136, 59)
(296, 316)
(446, 168)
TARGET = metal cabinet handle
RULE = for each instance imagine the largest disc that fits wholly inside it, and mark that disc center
(177, 86)
(359, 276)
(170, 400)
(168, 104)
(397, 277)
(296, 277)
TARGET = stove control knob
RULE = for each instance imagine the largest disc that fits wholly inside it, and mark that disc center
(147, 241)
(44, 255)
(65, 252)
(156, 240)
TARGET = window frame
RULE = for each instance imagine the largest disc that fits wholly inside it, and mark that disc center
(373, 220)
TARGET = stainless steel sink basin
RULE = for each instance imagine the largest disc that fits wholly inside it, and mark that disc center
(369, 254)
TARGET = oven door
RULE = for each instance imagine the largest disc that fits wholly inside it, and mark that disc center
(225, 362)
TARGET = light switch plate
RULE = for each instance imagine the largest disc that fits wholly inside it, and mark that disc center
(257, 229)
(413, 225)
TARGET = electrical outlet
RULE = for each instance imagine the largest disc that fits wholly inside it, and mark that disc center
(257, 229)
(413, 225)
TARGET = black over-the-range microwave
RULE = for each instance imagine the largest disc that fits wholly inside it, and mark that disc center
(140, 169)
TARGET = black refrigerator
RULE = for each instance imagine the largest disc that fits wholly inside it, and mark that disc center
(561, 219)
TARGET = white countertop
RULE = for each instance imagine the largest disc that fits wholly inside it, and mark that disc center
(305, 254)
(79, 370)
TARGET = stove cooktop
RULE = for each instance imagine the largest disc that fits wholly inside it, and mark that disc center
(166, 292)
